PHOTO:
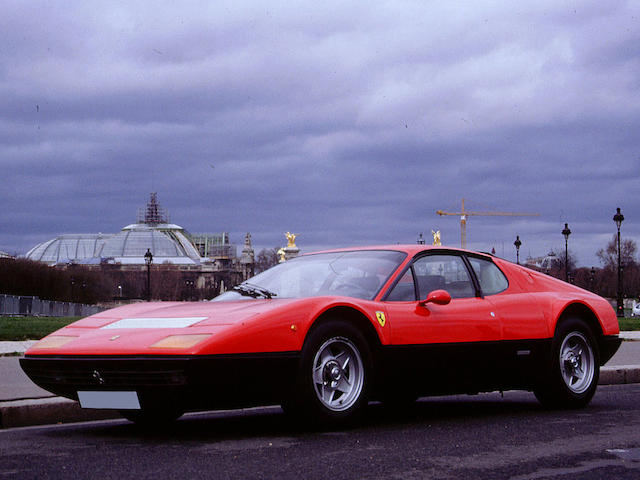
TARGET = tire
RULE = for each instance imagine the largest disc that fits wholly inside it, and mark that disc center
(574, 368)
(156, 417)
(334, 376)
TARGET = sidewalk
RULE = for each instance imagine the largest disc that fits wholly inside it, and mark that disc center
(635, 335)
(23, 403)
(15, 347)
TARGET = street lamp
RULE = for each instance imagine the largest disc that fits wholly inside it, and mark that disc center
(618, 218)
(517, 244)
(148, 258)
(566, 232)
(189, 284)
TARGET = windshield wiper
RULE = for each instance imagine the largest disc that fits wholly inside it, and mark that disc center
(255, 291)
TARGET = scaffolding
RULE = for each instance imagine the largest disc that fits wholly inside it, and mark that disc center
(153, 213)
(214, 245)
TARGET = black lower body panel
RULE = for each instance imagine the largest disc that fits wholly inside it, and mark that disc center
(193, 382)
(452, 368)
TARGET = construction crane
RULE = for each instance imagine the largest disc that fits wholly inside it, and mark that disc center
(466, 213)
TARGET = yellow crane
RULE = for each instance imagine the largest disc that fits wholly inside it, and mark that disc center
(466, 213)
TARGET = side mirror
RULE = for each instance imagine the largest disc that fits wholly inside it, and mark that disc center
(439, 297)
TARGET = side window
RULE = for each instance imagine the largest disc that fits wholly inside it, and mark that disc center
(491, 279)
(404, 290)
(446, 272)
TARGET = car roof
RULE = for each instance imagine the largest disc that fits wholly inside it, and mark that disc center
(410, 249)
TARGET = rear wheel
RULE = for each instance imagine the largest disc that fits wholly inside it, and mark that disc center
(333, 380)
(574, 367)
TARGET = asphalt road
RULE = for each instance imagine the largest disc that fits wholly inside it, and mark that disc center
(479, 437)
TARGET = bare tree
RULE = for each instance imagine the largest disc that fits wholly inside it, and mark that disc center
(267, 258)
(558, 265)
(609, 255)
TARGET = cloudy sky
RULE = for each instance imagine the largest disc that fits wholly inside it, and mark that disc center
(349, 123)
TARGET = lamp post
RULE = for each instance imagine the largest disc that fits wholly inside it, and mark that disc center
(618, 218)
(148, 258)
(592, 278)
(189, 284)
(517, 244)
(566, 232)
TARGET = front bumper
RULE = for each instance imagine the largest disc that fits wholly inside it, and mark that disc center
(195, 382)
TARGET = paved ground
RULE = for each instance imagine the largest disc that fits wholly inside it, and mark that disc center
(15, 384)
(481, 437)
(627, 354)
(12, 347)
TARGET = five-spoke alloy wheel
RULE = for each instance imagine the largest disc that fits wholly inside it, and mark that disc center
(577, 363)
(338, 374)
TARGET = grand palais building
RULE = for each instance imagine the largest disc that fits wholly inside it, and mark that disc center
(209, 259)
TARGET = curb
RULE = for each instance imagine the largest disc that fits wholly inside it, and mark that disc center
(45, 411)
(619, 374)
(52, 410)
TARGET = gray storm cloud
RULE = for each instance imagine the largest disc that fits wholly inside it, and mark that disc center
(346, 124)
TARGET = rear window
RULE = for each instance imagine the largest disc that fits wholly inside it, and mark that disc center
(491, 278)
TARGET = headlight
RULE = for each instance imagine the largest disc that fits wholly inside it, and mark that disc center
(53, 341)
(180, 341)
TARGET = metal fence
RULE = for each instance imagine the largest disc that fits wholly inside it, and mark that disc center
(36, 307)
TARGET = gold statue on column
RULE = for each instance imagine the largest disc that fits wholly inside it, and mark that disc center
(436, 238)
(291, 239)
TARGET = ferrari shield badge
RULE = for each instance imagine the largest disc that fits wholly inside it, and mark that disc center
(381, 318)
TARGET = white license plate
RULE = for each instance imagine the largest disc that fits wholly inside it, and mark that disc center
(117, 400)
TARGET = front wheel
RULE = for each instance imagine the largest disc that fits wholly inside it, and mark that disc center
(333, 380)
(574, 369)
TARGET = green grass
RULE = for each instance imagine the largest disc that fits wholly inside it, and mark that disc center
(629, 323)
(31, 328)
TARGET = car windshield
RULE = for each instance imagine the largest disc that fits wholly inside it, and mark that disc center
(357, 274)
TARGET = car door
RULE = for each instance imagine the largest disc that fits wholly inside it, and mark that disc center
(524, 329)
(450, 344)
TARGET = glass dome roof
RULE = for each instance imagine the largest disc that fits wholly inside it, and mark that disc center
(68, 248)
(167, 242)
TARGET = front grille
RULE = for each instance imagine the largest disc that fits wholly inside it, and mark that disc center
(105, 374)
(112, 378)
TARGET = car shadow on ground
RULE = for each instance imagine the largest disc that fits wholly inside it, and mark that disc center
(272, 422)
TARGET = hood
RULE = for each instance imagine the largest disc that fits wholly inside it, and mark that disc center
(181, 314)
(215, 327)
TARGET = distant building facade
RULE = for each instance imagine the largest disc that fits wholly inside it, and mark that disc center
(209, 261)
(544, 264)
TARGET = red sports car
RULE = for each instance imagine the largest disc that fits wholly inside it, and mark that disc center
(324, 333)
